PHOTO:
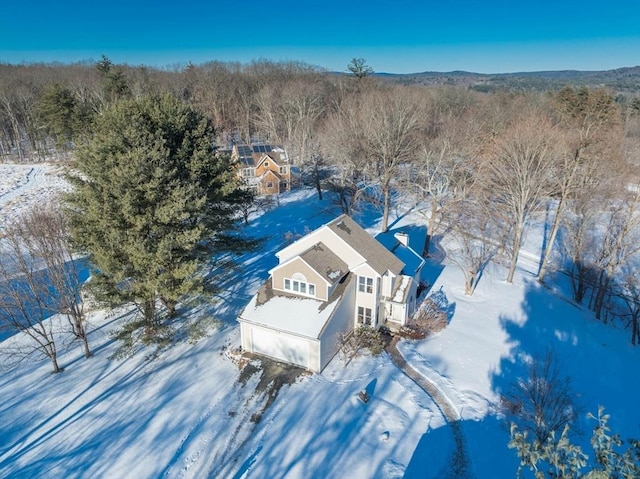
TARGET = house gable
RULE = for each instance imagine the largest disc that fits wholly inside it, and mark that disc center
(323, 235)
(318, 263)
(264, 168)
(365, 245)
(299, 270)
(325, 262)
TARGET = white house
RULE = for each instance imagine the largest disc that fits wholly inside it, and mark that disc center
(325, 284)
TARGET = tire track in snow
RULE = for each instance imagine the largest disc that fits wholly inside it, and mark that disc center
(194, 444)
(231, 468)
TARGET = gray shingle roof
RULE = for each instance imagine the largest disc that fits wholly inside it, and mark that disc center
(378, 257)
(325, 262)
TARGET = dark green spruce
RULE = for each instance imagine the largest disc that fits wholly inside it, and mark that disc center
(152, 203)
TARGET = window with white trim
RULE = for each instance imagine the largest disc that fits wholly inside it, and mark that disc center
(298, 284)
(283, 170)
(364, 315)
(269, 184)
(365, 285)
(248, 172)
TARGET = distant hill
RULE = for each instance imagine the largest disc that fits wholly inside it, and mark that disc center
(622, 80)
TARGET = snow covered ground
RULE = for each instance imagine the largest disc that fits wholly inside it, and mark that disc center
(183, 412)
(22, 186)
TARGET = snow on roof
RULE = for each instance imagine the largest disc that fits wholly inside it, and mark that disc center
(411, 258)
(289, 313)
(401, 291)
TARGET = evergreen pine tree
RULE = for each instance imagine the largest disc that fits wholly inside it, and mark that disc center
(152, 202)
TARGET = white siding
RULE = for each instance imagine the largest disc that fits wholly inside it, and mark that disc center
(340, 322)
(364, 299)
(394, 312)
(387, 284)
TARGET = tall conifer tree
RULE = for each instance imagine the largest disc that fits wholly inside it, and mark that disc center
(151, 201)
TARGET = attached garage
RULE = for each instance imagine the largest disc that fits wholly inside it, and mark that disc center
(281, 346)
(291, 329)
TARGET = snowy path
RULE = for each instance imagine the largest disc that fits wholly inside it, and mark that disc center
(460, 464)
(25, 186)
(33, 175)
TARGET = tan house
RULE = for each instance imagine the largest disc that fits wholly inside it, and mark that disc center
(264, 168)
(326, 283)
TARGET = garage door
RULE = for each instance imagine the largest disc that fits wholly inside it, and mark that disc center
(281, 346)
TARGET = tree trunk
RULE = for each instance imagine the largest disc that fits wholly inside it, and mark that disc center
(431, 226)
(87, 351)
(385, 214)
(603, 287)
(552, 238)
(149, 313)
(470, 283)
(170, 305)
(56, 367)
(578, 282)
(316, 174)
(53, 357)
(516, 251)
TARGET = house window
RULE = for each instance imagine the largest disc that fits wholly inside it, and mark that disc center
(364, 315)
(298, 284)
(269, 184)
(283, 170)
(248, 172)
(266, 164)
(365, 285)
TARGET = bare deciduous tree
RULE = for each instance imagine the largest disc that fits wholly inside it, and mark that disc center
(518, 173)
(620, 241)
(587, 118)
(543, 401)
(45, 235)
(578, 242)
(628, 294)
(382, 135)
(25, 302)
(443, 171)
(475, 239)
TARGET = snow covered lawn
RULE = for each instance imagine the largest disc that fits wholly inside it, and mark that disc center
(24, 185)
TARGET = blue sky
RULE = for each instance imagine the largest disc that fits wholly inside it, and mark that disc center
(400, 36)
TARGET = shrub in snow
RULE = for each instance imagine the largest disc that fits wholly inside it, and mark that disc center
(363, 337)
(428, 319)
